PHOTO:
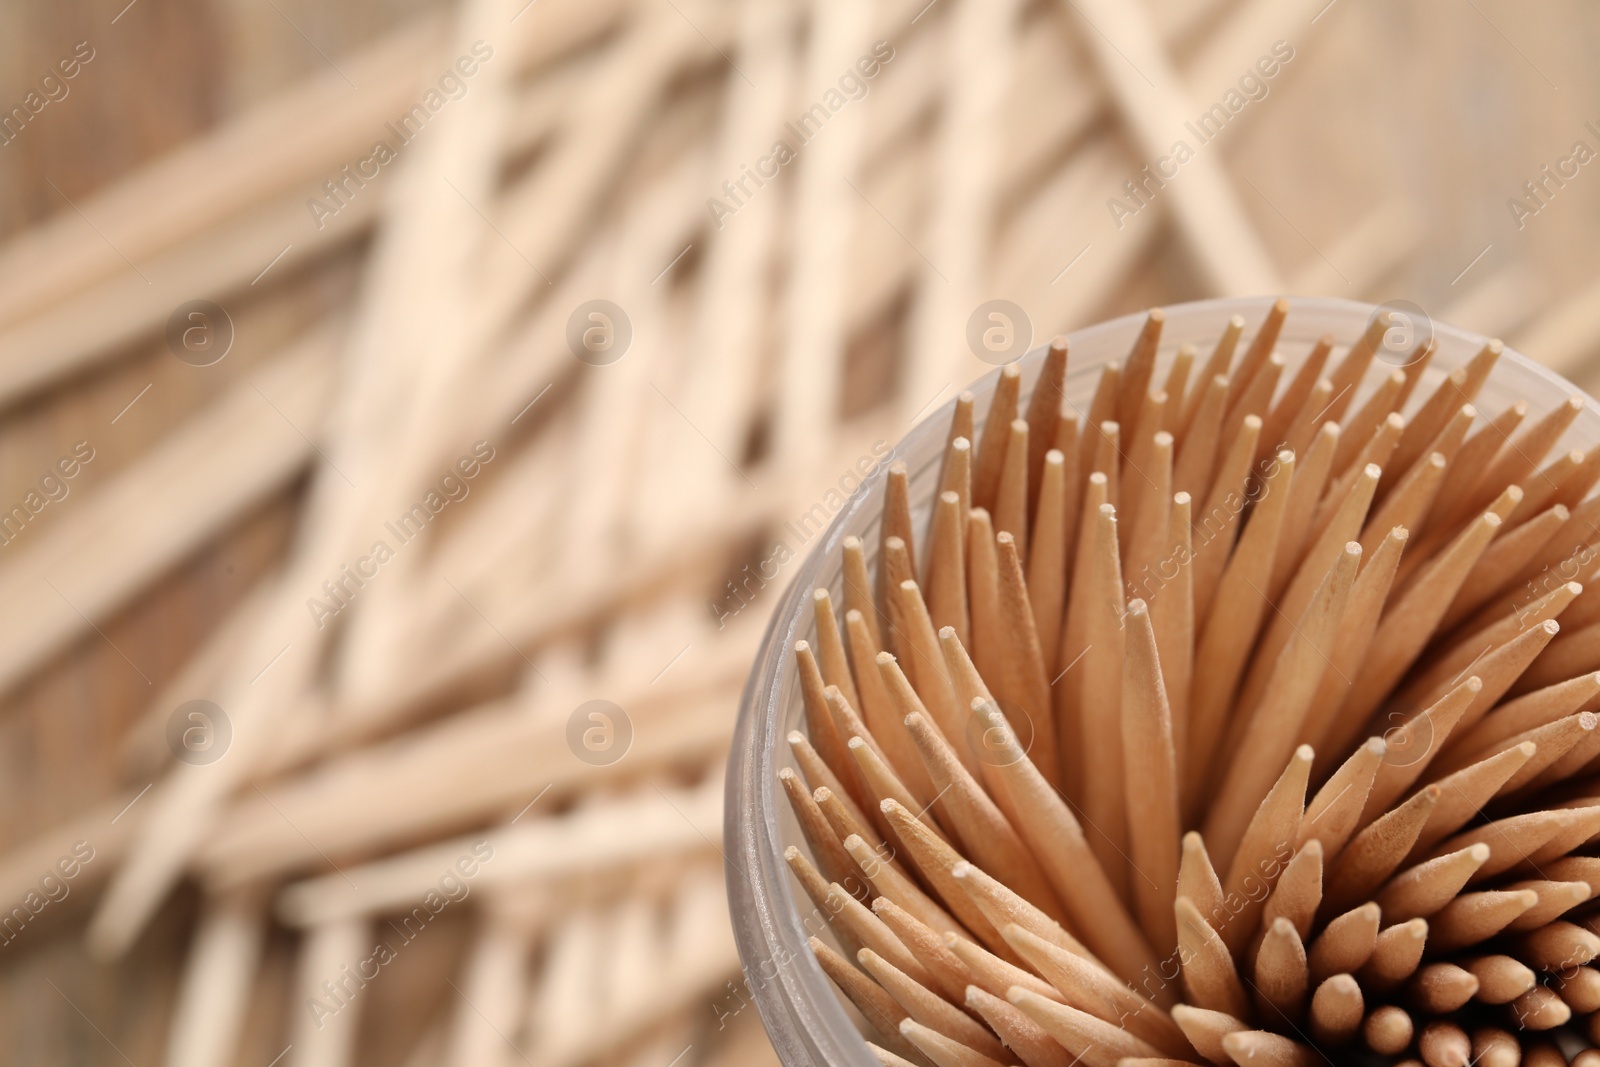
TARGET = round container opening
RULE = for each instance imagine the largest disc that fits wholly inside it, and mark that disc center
(808, 1023)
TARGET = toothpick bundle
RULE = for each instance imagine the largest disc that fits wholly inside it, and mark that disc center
(1245, 717)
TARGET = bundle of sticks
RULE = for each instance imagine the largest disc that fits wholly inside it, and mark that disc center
(1242, 718)
(385, 332)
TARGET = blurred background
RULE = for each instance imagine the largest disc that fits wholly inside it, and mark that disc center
(407, 407)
